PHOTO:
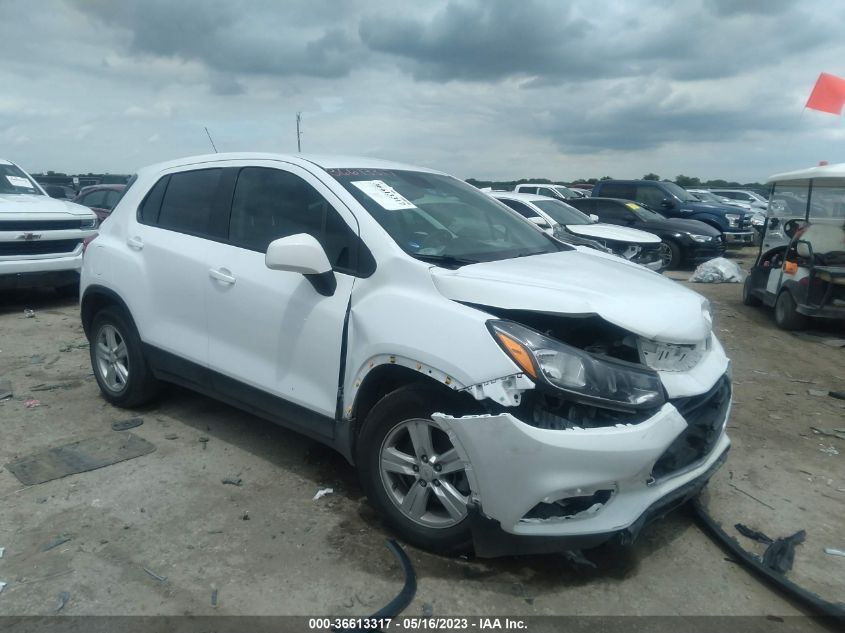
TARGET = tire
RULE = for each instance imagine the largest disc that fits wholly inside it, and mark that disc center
(787, 316)
(124, 378)
(387, 432)
(670, 254)
(748, 298)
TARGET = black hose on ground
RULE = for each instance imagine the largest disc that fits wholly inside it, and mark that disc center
(815, 604)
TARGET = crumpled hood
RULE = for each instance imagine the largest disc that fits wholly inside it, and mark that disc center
(611, 232)
(26, 203)
(579, 283)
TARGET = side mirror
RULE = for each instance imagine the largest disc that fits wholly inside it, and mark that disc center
(539, 221)
(594, 217)
(666, 203)
(303, 254)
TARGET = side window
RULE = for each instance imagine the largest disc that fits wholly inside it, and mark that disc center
(522, 209)
(528, 190)
(94, 199)
(584, 205)
(150, 207)
(650, 196)
(112, 197)
(617, 190)
(187, 203)
(270, 203)
(545, 191)
(612, 211)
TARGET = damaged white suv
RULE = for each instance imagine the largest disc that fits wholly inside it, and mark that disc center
(494, 387)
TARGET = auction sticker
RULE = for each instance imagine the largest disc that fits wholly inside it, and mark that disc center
(385, 195)
(17, 181)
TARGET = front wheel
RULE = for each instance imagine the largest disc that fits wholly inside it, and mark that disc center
(413, 474)
(748, 298)
(670, 255)
(118, 361)
(787, 316)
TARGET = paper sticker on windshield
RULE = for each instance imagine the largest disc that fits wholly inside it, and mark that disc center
(631, 205)
(385, 195)
(17, 181)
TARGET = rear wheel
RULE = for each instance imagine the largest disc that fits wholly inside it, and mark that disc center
(118, 361)
(412, 473)
(747, 297)
(670, 255)
(787, 316)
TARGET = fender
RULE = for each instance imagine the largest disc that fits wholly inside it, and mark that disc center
(716, 221)
(94, 296)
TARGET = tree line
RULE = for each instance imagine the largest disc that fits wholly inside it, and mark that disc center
(687, 182)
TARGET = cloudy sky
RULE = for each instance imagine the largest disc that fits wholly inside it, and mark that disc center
(493, 89)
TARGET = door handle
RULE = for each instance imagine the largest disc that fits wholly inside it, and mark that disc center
(222, 275)
(135, 243)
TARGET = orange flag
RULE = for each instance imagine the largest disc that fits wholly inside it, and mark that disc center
(828, 95)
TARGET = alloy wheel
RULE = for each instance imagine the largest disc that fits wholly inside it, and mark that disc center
(423, 474)
(112, 358)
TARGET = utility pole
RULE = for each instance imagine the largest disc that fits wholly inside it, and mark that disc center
(298, 133)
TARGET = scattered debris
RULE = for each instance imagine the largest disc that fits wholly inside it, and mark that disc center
(234, 480)
(214, 597)
(155, 575)
(817, 392)
(56, 542)
(28, 314)
(749, 495)
(754, 535)
(245, 515)
(837, 433)
(45, 387)
(828, 450)
(204, 441)
(780, 553)
(64, 596)
(2, 551)
(2, 585)
(32, 403)
(839, 395)
(71, 346)
(819, 337)
(577, 557)
(716, 271)
(806, 382)
(834, 552)
(427, 609)
(171, 436)
(124, 425)
(322, 493)
(5, 389)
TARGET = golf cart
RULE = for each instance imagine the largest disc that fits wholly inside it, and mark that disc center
(800, 269)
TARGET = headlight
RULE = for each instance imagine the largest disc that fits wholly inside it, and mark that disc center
(612, 383)
(88, 224)
(733, 219)
(758, 219)
(701, 238)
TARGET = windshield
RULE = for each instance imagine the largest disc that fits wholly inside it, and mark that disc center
(561, 212)
(679, 192)
(707, 196)
(438, 218)
(644, 214)
(15, 181)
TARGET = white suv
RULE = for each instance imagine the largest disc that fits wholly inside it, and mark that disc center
(493, 386)
(41, 238)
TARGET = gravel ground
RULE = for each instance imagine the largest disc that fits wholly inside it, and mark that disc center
(267, 548)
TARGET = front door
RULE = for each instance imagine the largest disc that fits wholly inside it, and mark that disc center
(271, 330)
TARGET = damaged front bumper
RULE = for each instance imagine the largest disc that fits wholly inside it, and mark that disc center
(540, 490)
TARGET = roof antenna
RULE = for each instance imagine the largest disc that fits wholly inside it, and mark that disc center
(298, 133)
(211, 139)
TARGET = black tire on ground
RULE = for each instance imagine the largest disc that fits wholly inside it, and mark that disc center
(140, 386)
(787, 316)
(415, 401)
(672, 255)
(748, 298)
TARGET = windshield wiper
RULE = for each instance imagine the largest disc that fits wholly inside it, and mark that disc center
(446, 260)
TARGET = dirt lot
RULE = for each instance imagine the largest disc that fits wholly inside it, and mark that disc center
(169, 512)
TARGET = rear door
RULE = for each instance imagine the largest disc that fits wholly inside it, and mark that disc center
(169, 240)
(273, 339)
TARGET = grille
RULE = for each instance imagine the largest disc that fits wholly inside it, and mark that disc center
(38, 247)
(36, 225)
(704, 415)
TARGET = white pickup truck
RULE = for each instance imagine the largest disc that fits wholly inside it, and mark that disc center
(41, 238)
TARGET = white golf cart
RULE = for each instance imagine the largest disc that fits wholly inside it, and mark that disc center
(800, 269)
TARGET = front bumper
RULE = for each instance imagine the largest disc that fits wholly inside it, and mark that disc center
(700, 252)
(739, 238)
(513, 468)
(57, 270)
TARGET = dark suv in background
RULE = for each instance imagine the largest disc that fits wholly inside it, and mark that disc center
(673, 201)
(682, 241)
